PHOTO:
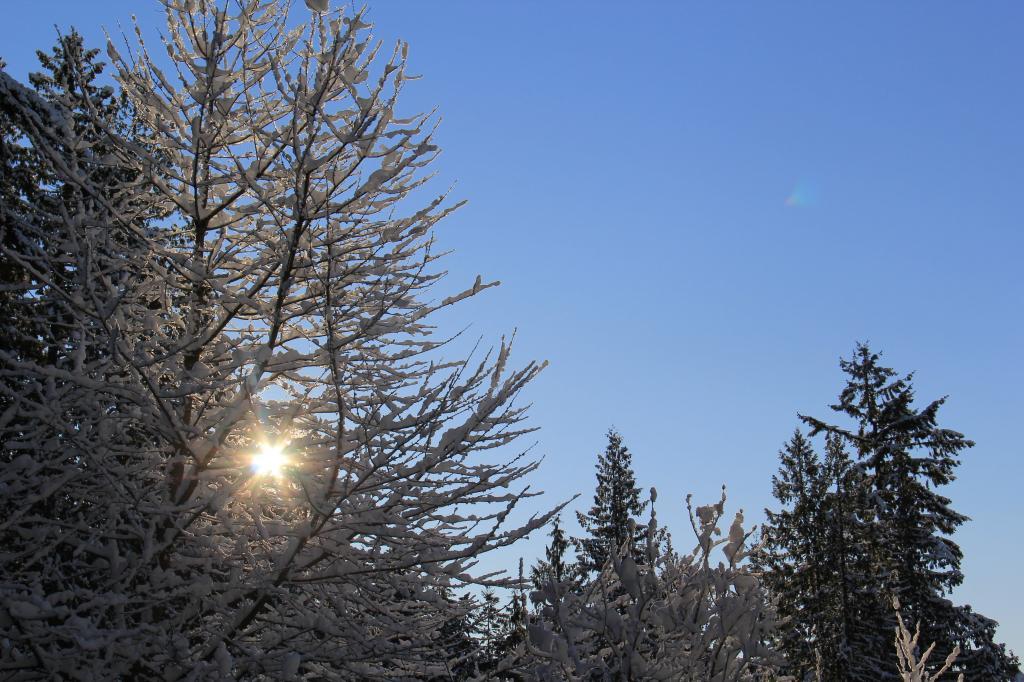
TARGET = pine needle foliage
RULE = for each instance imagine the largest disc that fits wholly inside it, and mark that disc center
(612, 520)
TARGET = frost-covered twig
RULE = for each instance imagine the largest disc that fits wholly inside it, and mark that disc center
(912, 668)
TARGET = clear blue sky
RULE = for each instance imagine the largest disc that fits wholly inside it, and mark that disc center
(697, 208)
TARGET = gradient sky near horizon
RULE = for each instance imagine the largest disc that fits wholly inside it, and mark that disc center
(697, 208)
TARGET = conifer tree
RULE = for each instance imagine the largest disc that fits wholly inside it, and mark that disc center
(848, 573)
(906, 458)
(20, 189)
(29, 193)
(41, 206)
(613, 520)
(456, 639)
(518, 616)
(554, 567)
(792, 553)
(813, 561)
(43, 213)
(491, 627)
(497, 632)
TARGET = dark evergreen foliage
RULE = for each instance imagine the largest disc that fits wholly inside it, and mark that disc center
(613, 519)
(554, 567)
(43, 215)
(855, 533)
(815, 558)
(496, 630)
(20, 189)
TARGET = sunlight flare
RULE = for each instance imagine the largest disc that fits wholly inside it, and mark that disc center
(269, 460)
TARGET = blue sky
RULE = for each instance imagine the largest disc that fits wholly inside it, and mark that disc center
(695, 209)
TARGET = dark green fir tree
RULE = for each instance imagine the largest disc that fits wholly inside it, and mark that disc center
(613, 520)
(814, 561)
(43, 216)
(906, 458)
(499, 629)
(71, 80)
(58, 184)
(21, 188)
(39, 214)
(792, 553)
(554, 568)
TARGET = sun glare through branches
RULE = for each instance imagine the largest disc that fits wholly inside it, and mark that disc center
(269, 460)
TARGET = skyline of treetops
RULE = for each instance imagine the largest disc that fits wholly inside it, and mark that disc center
(266, 413)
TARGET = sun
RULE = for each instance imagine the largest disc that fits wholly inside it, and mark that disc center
(270, 460)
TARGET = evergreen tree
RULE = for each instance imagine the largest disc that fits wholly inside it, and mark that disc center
(456, 640)
(813, 559)
(792, 554)
(857, 650)
(491, 628)
(63, 123)
(20, 189)
(613, 519)
(554, 568)
(45, 210)
(518, 615)
(498, 629)
(906, 457)
(95, 116)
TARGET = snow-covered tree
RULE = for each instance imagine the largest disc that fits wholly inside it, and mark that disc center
(701, 616)
(271, 468)
(612, 519)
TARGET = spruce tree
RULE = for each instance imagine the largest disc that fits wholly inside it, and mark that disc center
(491, 626)
(44, 207)
(856, 650)
(20, 189)
(814, 560)
(498, 630)
(613, 519)
(906, 457)
(792, 553)
(554, 567)
(456, 639)
(64, 122)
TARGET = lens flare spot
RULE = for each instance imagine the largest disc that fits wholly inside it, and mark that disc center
(803, 194)
(269, 460)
